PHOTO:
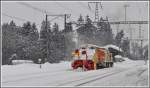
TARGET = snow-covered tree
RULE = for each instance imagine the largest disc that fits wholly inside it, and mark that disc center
(119, 37)
(45, 39)
(80, 20)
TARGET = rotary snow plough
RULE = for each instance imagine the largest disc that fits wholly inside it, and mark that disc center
(90, 57)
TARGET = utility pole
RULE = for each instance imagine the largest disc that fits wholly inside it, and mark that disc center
(65, 18)
(125, 12)
(140, 36)
(125, 7)
(130, 37)
(117, 28)
(47, 37)
(61, 15)
(54, 15)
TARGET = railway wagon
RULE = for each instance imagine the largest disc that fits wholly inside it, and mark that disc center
(92, 57)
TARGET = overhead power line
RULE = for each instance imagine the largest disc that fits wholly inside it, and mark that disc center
(54, 18)
(13, 17)
(65, 8)
(33, 7)
(85, 7)
(17, 18)
(40, 10)
(37, 9)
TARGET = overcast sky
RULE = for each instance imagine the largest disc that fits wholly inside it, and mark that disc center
(113, 9)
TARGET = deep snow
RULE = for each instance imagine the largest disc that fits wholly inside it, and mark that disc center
(127, 73)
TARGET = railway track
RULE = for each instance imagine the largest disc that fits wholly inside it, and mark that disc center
(89, 79)
(78, 82)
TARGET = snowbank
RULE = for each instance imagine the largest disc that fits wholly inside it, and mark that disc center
(21, 61)
(129, 63)
(113, 46)
(118, 56)
(89, 45)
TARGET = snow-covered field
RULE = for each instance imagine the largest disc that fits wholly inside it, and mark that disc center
(127, 73)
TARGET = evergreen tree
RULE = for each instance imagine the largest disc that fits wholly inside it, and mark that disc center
(10, 41)
(89, 33)
(44, 32)
(86, 32)
(80, 21)
(26, 29)
(45, 40)
(88, 21)
(119, 37)
(34, 35)
(33, 44)
(12, 23)
(55, 28)
(68, 28)
(126, 46)
(57, 45)
(104, 32)
(22, 41)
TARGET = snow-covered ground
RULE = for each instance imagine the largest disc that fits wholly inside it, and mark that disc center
(126, 73)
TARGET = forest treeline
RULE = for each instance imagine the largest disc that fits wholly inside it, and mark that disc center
(54, 44)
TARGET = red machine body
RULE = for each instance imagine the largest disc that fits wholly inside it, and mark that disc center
(100, 58)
